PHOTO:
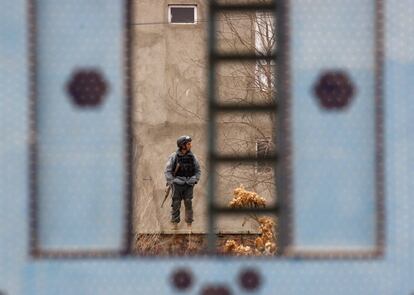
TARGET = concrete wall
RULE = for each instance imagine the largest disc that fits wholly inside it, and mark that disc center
(169, 81)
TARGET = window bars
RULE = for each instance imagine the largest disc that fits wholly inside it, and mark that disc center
(273, 108)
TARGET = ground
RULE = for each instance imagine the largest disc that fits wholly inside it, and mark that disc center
(185, 244)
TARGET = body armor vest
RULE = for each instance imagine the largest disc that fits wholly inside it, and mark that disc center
(187, 165)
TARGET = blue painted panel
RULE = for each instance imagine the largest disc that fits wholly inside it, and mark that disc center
(152, 277)
(81, 169)
(333, 151)
(389, 275)
(13, 145)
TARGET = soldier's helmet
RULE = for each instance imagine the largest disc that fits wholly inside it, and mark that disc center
(183, 140)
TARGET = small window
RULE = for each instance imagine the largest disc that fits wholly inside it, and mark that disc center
(182, 14)
(263, 149)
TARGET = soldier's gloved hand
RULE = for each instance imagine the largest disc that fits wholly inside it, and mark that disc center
(192, 180)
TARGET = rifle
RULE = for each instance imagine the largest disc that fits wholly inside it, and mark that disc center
(168, 189)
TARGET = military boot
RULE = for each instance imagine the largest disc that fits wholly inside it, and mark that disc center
(174, 225)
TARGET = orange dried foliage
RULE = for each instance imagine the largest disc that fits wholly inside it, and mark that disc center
(265, 244)
(246, 199)
(233, 247)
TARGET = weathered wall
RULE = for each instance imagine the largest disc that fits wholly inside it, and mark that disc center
(169, 81)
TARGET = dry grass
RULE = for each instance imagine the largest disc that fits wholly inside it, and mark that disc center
(260, 244)
(185, 244)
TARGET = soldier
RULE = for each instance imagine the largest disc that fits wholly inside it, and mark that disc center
(182, 172)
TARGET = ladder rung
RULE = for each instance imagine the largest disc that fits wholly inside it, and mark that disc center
(244, 159)
(243, 7)
(270, 107)
(241, 57)
(223, 210)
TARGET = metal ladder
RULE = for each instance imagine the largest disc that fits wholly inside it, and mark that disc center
(214, 108)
